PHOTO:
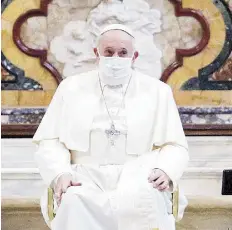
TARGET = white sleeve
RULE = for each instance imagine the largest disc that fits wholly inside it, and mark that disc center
(49, 127)
(173, 160)
(52, 156)
(53, 159)
(173, 156)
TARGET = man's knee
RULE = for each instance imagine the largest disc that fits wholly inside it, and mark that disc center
(139, 194)
(71, 196)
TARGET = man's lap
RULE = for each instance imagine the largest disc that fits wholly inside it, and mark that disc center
(123, 189)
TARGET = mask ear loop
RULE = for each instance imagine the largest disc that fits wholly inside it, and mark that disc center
(133, 61)
(97, 58)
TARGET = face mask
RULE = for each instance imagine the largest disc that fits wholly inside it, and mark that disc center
(115, 67)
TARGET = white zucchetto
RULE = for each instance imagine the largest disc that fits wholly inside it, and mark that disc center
(117, 27)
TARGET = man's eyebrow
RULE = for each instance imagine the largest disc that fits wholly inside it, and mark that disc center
(108, 47)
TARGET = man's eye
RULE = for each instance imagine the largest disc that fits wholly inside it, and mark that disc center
(109, 53)
(123, 53)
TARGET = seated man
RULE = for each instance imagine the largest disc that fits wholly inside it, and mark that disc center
(111, 144)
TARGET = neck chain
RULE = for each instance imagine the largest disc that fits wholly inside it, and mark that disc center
(112, 133)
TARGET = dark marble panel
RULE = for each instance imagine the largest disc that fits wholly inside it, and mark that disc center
(205, 110)
(189, 115)
(4, 4)
(16, 79)
(23, 111)
(209, 119)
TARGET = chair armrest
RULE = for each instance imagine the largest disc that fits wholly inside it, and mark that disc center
(175, 204)
(50, 206)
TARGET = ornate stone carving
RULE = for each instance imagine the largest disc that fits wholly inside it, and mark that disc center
(34, 33)
(74, 46)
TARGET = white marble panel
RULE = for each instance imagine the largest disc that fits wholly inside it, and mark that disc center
(18, 153)
(28, 183)
(204, 152)
(209, 157)
(22, 188)
(210, 152)
(202, 182)
(21, 183)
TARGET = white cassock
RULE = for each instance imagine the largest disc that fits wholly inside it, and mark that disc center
(115, 193)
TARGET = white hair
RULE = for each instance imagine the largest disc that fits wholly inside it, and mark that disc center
(100, 37)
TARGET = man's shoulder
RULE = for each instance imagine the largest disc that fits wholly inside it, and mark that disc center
(152, 83)
(78, 80)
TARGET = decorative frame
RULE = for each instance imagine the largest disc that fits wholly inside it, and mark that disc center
(41, 54)
(16, 130)
(181, 53)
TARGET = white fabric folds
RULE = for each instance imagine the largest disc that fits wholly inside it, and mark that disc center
(152, 119)
(151, 113)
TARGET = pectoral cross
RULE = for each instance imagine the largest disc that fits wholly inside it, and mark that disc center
(112, 134)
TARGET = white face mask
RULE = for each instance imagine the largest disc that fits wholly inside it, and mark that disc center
(115, 67)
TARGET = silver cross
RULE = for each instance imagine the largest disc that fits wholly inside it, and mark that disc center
(112, 133)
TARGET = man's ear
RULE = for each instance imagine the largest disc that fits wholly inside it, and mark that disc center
(136, 54)
(96, 52)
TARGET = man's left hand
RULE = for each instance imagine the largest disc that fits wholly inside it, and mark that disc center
(159, 179)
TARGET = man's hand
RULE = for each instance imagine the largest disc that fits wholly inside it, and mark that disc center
(63, 183)
(159, 179)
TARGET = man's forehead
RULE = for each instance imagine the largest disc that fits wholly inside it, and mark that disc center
(116, 36)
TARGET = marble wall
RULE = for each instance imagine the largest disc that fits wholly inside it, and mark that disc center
(69, 34)
(72, 28)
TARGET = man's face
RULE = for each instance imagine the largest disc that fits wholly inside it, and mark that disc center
(116, 43)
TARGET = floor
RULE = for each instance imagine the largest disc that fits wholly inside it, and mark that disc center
(205, 220)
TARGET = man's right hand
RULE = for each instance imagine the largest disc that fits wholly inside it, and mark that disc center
(63, 183)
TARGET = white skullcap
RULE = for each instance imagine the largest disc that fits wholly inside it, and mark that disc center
(117, 27)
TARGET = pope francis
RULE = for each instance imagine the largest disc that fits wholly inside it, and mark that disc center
(111, 144)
